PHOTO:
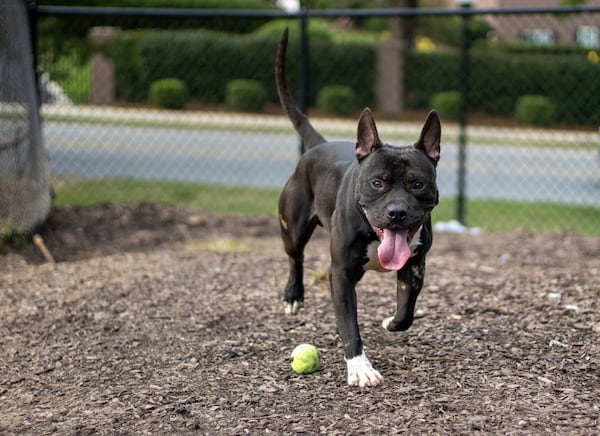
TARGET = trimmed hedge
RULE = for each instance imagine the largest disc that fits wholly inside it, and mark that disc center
(499, 79)
(337, 99)
(447, 104)
(206, 61)
(535, 109)
(246, 95)
(168, 93)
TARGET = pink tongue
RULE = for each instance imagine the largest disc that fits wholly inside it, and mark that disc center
(393, 250)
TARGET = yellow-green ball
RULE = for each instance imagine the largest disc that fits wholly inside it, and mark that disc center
(305, 359)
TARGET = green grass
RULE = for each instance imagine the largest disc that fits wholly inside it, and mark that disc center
(489, 215)
(212, 198)
(505, 216)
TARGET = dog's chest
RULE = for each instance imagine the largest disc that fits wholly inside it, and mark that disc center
(373, 263)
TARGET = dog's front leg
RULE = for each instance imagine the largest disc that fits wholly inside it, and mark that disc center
(408, 287)
(360, 371)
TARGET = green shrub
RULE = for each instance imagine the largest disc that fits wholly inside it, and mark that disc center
(498, 79)
(206, 61)
(535, 109)
(72, 73)
(447, 103)
(168, 93)
(246, 95)
(337, 99)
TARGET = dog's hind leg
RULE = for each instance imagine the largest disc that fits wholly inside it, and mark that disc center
(297, 225)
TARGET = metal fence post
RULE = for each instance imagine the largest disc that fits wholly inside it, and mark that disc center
(32, 18)
(303, 66)
(463, 109)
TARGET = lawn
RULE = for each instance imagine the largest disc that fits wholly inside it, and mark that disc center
(489, 215)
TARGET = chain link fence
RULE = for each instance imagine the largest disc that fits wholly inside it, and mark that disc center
(182, 107)
(24, 185)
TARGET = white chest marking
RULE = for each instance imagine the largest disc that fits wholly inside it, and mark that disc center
(373, 262)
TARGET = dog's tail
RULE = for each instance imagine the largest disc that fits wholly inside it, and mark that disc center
(308, 133)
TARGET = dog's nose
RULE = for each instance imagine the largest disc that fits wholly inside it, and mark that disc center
(396, 213)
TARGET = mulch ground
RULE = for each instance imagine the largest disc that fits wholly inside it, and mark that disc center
(160, 320)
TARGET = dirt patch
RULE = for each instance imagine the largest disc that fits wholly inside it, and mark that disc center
(165, 320)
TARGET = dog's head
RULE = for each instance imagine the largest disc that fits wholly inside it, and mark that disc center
(396, 186)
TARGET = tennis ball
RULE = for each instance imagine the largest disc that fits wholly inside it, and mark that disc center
(305, 359)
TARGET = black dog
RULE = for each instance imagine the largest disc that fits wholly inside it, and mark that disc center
(375, 200)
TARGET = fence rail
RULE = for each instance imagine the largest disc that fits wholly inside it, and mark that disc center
(322, 13)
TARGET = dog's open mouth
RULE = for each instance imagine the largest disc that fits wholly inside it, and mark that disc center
(394, 249)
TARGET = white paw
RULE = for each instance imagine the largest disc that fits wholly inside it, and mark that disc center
(386, 322)
(361, 372)
(293, 308)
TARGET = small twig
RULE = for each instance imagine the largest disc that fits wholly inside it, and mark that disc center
(39, 243)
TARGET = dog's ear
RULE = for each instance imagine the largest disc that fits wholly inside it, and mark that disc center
(429, 142)
(368, 139)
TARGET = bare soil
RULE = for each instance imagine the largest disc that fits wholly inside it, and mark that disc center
(161, 320)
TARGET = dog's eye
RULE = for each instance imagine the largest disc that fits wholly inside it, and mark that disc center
(418, 185)
(377, 184)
